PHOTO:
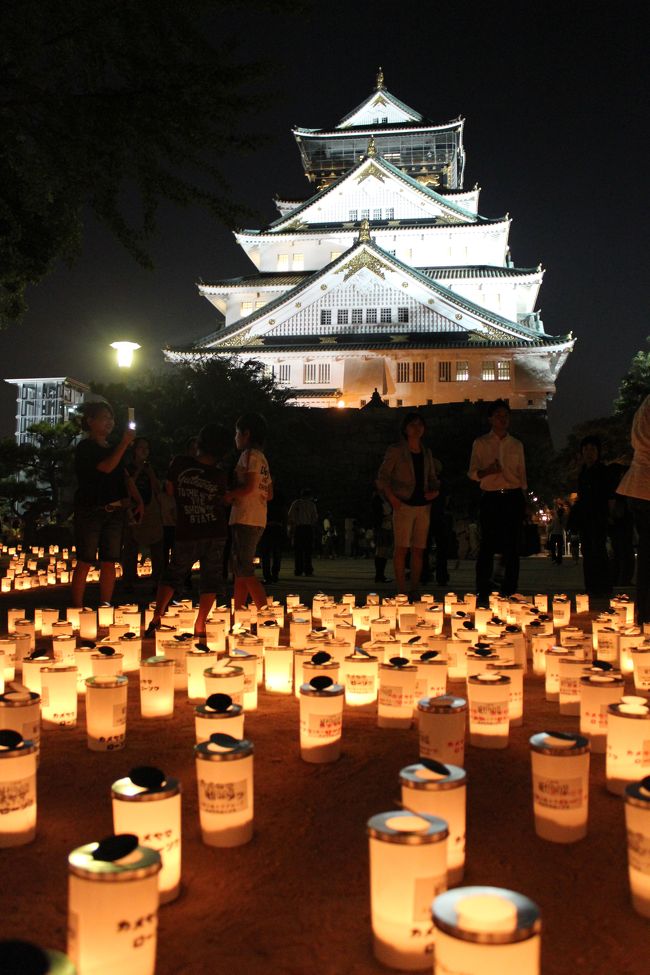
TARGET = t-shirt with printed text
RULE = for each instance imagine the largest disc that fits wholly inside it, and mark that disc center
(198, 490)
(251, 509)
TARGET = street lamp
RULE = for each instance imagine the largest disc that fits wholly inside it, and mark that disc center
(125, 352)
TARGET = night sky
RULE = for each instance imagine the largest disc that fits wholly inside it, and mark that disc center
(556, 134)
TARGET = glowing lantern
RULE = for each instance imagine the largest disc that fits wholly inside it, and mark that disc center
(405, 848)
(20, 710)
(628, 640)
(396, 699)
(84, 664)
(26, 628)
(570, 670)
(278, 670)
(7, 659)
(268, 632)
(106, 662)
(32, 670)
(219, 715)
(48, 617)
(360, 676)
(224, 678)
(347, 633)
(561, 611)
(380, 627)
(440, 790)
(637, 822)
(197, 660)
(130, 646)
(560, 764)
(479, 657)
(59, 695)
(17, 789)
(113, 906)
(320, 664)
(157, 687)
(116, 630)
(607, 645)
(224, 772)
(105, 616)
(63, 648)
(552, 681)
(321, 719)
(176, 649)
(106, 713)
(431, 680)
(486, 931)
(249, 664)
(13, 615)
(87, 624)
(489, 710)
(628, 733)
(441, 723)
(597, 692)
(148, 804)
(384, 649)
(299, 629)
(640, 657)
(516, 693)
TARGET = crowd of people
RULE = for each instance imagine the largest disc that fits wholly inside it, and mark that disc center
(204, 510)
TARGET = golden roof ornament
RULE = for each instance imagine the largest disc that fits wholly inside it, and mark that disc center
(380, 79)
(372, 148)
(364, 230)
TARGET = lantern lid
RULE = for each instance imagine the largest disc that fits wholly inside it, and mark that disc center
(203, 650)
(138, 863)
(638, 793)
(559, 743)
(429, 776)
(431, 657)
(332, 690)
(157, 661)
(229, 671)
(602, 678)
(18, 698)
(512, 666)
(223, 748)
(205, 711)
(443, 704)
(106, 681)
(13, 744)
(622, 710)
(453, 916)
(58, 668)
(361, 656)
(491, 679)
(130, 791)
(407, 828)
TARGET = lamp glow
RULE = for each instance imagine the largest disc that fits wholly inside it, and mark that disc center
(125, 352)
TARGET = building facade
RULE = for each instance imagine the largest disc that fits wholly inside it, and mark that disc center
(387, 278)
(50, 400)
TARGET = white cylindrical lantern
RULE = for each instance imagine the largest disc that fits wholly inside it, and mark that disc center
(148, 804)
(105, 616)
(219, 715)
(113, 906)
(321, 720)
(597, 692)
(225, 678)
(628, 753)
(106, 713)
(269, 633)
(278, 670)
(440, 790)
(26, 628)
(299, 630)
(20, 710)
(570, 670)
(637, 822)
(59, 695)
(215, 635)
(13, 615)
(130, 646)
(7, 659)
(116, 630)
(176, 649)
(87, 624)
(431, 678)
(560, 764)
(640, 657)
(249, 644)
(157, 687)
(249, 664)
(224, 772)
(408, 866)
(441, 722)
(106, 662)
(396, 698)
(552, 679)
(516, 694)
(164, 632)
(561, 611)
(607, 645)
(489, 710)
(48, 617)
(380, 627)
(486, 931)
(197, 660)
(479, 657)
(32, 670)
(63, 648)
(84, 663)
(17, 789)
(320, 664)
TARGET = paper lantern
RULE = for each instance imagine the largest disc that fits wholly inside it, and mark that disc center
(380, 627)
(384, 649)
(63, 648)
(113, 906)
(570, 670)
(640, 657)
(441, 724)
(320, 664)
(408, 867)
(516, 692)
(396, 697)
(13, 615)
(628, 734)
(440, 790)
(346, 633)
(164, 632)
(278, 670)
(299, 630)
(176, 649)
(106, 662)
(32, 670)
(106, 713)
(17, 789)
(628, 640)
(157, 687)
(249, 664)
(552, 681)
(59, 695)
(147, 804)
(48, 617)
(489, 710)
(607, 645)
(225, 678)
(486, 931)
(83, 662)
(87, 624)
(224, 773)
(26, 628)
(23, 644)
(431, 680)
(197, 660)
(20, 710)
(116, 630)
(321, 719)
(218, 715)
(215, 635)
(130, 646)
(360, 676)
(637, 822)
(268, 632)
(561, 611)
(250, 644)
(560, 764)
(479, 657)
(8, 658)
(105, 616)
(597, 692)
(244, 616)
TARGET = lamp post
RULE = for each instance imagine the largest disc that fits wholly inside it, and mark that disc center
(125, 352)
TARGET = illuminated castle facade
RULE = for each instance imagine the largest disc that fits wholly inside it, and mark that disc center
(386, 278)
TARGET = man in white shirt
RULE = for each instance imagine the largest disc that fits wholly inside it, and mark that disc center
(498, 464)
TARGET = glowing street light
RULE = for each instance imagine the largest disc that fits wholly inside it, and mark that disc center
(125, 352)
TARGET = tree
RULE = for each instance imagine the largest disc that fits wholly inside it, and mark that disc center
(114, 105)
(635, 385)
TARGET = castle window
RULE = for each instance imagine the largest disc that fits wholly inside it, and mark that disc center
(376, 214)
(371, 316)
(246, 308)
(403, 372)
(462, 371)
(298, 263)
(342, 316)
(503, 369)
(357, 316)
(402, 314)
(326, 316)
(323, 372)
(418, 372)
(444, 372)
(390, 213)
(489, 371)
(386, 315)
(353, 215)
(283, 262)
(311, 372)
(284, 373)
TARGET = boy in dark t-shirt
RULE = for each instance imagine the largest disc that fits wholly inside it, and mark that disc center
(198, 486)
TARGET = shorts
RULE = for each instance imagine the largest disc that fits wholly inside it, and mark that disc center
(208, 552)
(411, 525)
(244, 539)
(98, 534)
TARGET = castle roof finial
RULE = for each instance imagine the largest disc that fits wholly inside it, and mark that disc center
(364, 231)
(371, 152)
(380, 79)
